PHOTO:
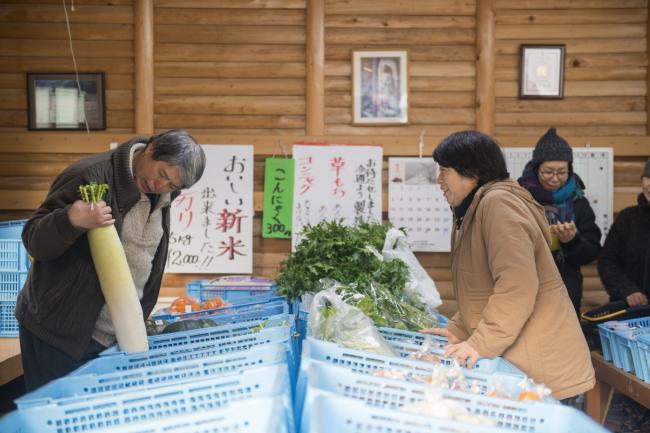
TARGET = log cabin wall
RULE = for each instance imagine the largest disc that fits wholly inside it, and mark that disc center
(269, 71)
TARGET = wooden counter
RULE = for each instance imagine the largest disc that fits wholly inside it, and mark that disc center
(10, 362)
(610, 379)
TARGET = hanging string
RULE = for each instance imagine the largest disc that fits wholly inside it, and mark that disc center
(74, 60)
(421, 144)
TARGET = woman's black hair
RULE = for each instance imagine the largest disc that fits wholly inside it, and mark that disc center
(472, 154)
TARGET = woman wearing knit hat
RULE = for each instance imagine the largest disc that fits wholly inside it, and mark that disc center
(624, 262)
(549, 177)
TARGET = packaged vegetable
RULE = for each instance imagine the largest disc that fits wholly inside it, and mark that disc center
(331, 319)
(184, 304)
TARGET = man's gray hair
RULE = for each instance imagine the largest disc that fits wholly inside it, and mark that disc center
(178, 148)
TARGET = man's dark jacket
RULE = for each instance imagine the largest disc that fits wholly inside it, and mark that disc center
(62, 298)
(624, 261)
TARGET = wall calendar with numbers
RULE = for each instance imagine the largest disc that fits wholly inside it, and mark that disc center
(416, 203)
(594, 165)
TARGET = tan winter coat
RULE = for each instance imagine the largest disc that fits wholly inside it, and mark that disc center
(511, 298)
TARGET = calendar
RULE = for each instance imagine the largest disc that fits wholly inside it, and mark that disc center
(594, 165)
(416, 203)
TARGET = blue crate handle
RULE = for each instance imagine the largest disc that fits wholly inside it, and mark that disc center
(344, 415)
(124, 362)
(80, 414)
(212, 333)
(324, 379)
(96, 385)
(234, 309)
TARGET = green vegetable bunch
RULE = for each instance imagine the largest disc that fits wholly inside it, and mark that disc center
(93, 192)
(346, 254)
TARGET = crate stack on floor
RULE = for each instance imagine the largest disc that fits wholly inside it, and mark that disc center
(14, 265)
(626, 343)
(342, 390)
(236, 375)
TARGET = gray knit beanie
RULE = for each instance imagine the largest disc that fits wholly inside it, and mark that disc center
(646, 169)
(552, 147)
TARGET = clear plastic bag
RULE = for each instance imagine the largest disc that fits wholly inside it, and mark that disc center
(331, 319)
(420, 284)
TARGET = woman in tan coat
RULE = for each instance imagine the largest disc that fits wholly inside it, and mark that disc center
(511, 299)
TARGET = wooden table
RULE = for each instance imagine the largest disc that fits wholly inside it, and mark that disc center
(610, 379)
(10, 361)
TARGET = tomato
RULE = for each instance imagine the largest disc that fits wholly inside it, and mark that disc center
(213, 303)
(529, 396)
(184, 305)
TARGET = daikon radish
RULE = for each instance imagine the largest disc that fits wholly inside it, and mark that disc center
(115, 279)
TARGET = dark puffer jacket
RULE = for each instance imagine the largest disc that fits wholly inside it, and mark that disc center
(624, 261)
(581, 250)
(61, 299)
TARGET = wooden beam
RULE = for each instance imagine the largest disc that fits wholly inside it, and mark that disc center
(485, 66)
(144, 67)
(315, 59)
(394, 145)
(647, 93)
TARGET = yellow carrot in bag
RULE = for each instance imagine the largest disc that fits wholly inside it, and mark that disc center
(115, 279)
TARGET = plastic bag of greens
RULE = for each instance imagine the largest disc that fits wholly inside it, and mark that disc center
(420, 284)
(331, 319)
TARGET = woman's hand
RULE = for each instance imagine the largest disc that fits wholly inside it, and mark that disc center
(443, 332)
(565, 232)
(636, 299)
(464, 354)
(88, 216)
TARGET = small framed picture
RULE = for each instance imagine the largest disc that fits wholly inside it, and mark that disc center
(380, 87)
(542, 72)
(58, 101)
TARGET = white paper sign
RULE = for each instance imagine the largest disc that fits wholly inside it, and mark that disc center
(594, 165)
(212, 222)
(336, 182)
(416, 203)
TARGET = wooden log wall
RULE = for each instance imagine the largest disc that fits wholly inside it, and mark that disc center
(263, 71)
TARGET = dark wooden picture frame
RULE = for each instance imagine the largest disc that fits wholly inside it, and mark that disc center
(56, 101)
(541, 71)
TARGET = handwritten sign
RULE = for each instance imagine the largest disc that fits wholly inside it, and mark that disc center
(278, 197)
(336, 182)
(212, 222)
(416, 202)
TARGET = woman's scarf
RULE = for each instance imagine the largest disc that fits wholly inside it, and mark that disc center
(559, 204)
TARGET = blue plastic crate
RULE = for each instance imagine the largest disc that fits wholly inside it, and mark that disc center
(155, 403)
(97, 385)
(643, 344)
(13, 256)
(237, 312)
(255, 415)
(370, 363)
(385, 393)
(10, 284)
(214, 333)
(343, 415)
(611, 338)
(125, 362)
(232, 288)
(12, 229)
(8, 323)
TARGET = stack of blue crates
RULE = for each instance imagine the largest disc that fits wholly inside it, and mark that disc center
(625, 343)
(14, 265)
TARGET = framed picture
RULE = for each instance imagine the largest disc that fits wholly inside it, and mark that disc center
(542, 72)
(58, 102)
(379, 87)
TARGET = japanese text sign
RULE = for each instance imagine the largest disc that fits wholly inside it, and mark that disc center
(212, 222)
(278, 197)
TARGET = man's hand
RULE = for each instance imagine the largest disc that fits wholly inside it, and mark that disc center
(88, 216)
(636, 299)
(464, 354)
(443, 332)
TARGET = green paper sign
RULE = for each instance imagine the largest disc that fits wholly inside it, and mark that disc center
(278, 197)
